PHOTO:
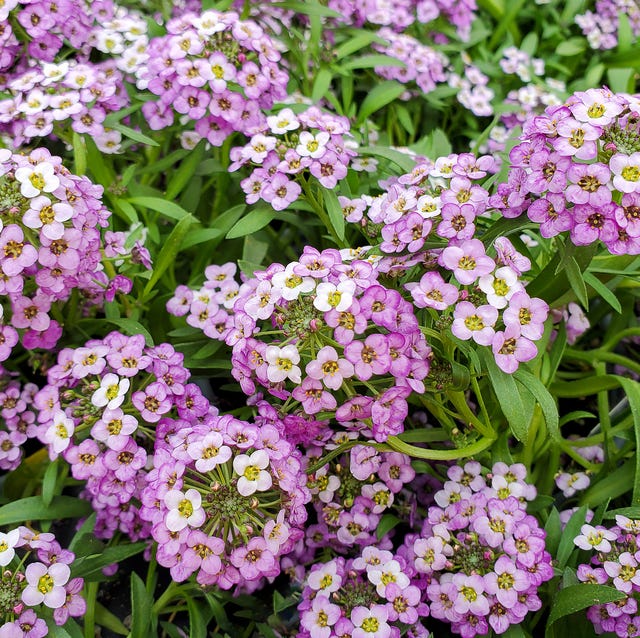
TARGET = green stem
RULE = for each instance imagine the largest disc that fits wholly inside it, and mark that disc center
(90, 615)
(397, 445)
(168, 594)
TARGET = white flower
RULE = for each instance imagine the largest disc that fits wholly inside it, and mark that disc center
(111, 392)
(36, 179)
(7, 544)
(390, 572)
(59, 433)
(291, 285)
(209, 452)
(282, 363)
(500, 286)
(283, 122)
(46, 585)
(595, 538)
(184, 509)
(330, 297)
(310, 145)
(252, 472)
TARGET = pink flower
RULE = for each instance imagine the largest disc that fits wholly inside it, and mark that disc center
(468, 261)
(329, 368)
(510, 349)
(474, 323)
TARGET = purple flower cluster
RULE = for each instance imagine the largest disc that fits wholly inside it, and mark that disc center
(225, 499)
(49, 245)
(104, 405)
(351, 493)
(577, 169)
(18, 418)
(615, 562)
(36, 583)
(601, 26)
(480, 557)
(370, 596)
(423, 65)
(290, 147)
(215, 70)
(338, 343)
(400, 14)
(46, 24)
(483, 297)
(47, 97)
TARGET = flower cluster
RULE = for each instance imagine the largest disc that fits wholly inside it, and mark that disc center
(400, 14)
(18, 418)
(351, 493)
(215, 70)
(614, 563)
(47, 97)
(46, 24)
(601, 26)
(521, 64)
(338, 343)
(473, 90)
(291, 147)
(122, 34)
(577, 169)
(576, 480)
(44, 581)
(480, 557)
(423, 65)
(49, 245)
(104, 405)
(225, 499)
(483, 297)
(370, 596)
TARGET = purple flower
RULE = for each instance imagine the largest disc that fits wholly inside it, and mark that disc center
(474, 323)
(468, 261)
(510, 348)
(329, 368)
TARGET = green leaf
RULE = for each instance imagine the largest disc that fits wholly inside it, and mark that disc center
(79, 155)
(33, 508)
(576, 280)
(136, 136)
(141, 606)
(109, 621)
(404, 161)
(69, 630)
(578, 597)
(591, 280)
(49, 482)
(358, 39)
(386, 524)
(186, 172)
(545, 401)
(370, 61)
(629, 512)
(632, 390)
(381, 95)
(168, 209)
(571, 530)
(308, 8)
(553, 528)
(170, 249)
(131, 327)
(200, 236)
(336, 216)
(572, 46)
(508, 395)
(613, 484)
(252, 222)
(87, 565)
(321, 84)
(197, 621)
(584, 387)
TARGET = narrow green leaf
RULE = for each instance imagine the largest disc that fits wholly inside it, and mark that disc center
(141, 605)
(545, 401)
(185, 172)
(170, 249)
(370, 61)
(136, 136)
(49, 482)
(614, 484)
(553, 528)
(404, 161)
(200, 236)
(321, 84)
(578, 597)
(632, 390)
(358, 39)
(308, 8)
(591, 280)
(252, 222)
(508, 395)
(33, 508)
(381, 95)
(197, 622)
(166, 208)
(336, 216)
(109, 621)
(571, 530)
(584, 387)
(572, 46)
(79, 155)
(113, 118)
(386, 524)
(131, 327)
(576, 280)
(87, 565)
